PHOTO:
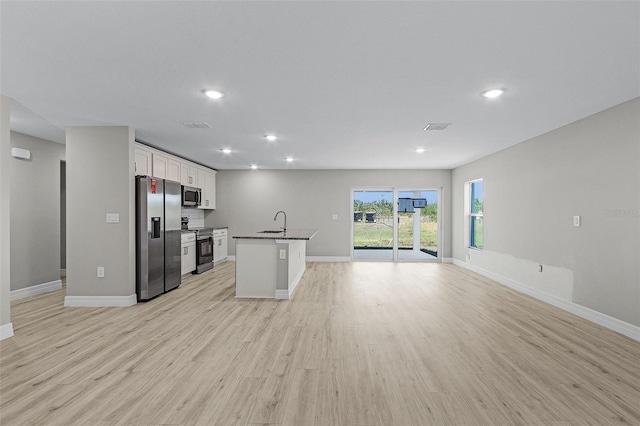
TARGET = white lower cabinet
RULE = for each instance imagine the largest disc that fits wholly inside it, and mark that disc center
(219, 245)
(188, 252)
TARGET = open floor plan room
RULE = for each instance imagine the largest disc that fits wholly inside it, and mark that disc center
(358, 344)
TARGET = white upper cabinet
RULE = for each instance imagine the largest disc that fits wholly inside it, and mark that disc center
(159, 165)
(173, 169)
(189, 174)
(143, 161)
(166, 167)
(207, 180)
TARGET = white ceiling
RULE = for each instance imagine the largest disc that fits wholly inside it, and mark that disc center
(346, 85)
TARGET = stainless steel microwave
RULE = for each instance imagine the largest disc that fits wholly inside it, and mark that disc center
(191, 197)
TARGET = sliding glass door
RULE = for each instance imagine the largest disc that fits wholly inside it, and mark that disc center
(391, 224)
(417, 225)
(373, 229)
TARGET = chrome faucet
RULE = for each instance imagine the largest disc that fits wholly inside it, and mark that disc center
(284, 228)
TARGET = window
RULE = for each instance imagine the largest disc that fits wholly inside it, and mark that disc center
(476, 214)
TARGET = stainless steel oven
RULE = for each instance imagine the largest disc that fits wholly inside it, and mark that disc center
(204, 250)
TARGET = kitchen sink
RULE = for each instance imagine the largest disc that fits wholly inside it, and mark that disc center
(270, 231)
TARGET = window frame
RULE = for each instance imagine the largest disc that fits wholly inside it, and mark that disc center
(473, 216)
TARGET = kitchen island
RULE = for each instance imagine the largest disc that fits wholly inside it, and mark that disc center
(270, 264)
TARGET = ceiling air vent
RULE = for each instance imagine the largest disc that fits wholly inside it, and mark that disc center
(196, 125)
(436, 126)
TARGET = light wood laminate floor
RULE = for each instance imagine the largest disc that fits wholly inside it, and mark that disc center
(359, 344)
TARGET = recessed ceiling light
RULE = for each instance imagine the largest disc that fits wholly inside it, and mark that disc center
(226, 150)
(270, 138)
(214, 94)
(420, 150)
(254, 167)
(289, 159)
(493, 93)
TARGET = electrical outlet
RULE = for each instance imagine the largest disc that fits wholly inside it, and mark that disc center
(100, 271)
(113, 218)
(576, 221)
(334, 217)
(539, 268)
(283, 254)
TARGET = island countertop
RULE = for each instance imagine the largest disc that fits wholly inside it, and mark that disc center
(289, 234)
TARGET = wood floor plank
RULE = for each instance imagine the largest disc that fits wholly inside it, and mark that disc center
(358, 344)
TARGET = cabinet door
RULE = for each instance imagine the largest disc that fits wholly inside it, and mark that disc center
(207, 181)
(160, 166)
(184, 174)
(184, 262)
(173, 170)
(188, 263)
(210, 184)
(223, 246)
(142, 162)
(189, 175)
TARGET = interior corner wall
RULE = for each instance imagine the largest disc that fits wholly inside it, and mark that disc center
(591, 169)
(6, 330)
(247, 200)
(100, 180)
(35, 212)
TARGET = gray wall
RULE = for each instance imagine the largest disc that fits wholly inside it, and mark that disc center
(589, 168)
(100, 180)
(35, 212)
(5, 211)
(246, 201)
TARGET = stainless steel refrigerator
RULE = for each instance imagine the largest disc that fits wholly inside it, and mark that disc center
(158, 232)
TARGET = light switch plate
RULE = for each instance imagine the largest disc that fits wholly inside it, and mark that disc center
(113, 218)
(334, 217)
(576, 221)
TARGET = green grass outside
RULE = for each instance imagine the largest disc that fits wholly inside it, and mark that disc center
(380, 233)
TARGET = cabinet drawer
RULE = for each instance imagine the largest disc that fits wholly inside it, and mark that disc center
(220, 233)
(188, 237)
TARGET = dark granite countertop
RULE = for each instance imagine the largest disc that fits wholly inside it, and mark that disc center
(290, 234)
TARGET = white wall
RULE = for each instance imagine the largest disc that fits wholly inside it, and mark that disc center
(246, 201)
(6, 328)
(35, 212)
(589, 168)
(100, 180)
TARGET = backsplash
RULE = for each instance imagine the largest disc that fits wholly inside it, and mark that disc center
(196, 217)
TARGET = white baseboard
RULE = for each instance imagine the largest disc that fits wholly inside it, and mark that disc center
(282, 294)
(100, 301)
(63, 272)
(34, 290)
(328, 259)
(231, 258)
(447, 260)
(6, 331)
(599, 318)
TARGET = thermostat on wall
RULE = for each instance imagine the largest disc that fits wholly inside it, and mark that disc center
(24, 154)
